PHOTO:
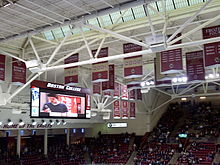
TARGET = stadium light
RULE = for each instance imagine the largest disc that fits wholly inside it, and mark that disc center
(64, 122)
(44, 122)
(211, 76)
(183, 99)
(146, 83)
(21, 123)
(58, 122)
(151, 82)
(51, 122)
(174, 80)
(34, 122)
(179, 79)
(0, 123)
(202, 97)
(10, 122)
(142, 84)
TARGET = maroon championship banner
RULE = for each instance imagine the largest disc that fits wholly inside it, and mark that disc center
(124, 109)
(109, 85)
(160, 79)
(71, 73)
(131, 94)
(97, 89)
(211, 50)
(212, 54)
(211, 32)
(124, 92)
(100, 70)
(134, 86)
(132, 65)
(171, 61)
(117, 90)
(132, 108)
(2, 68)
(116, 113)
(138, 94)
(195, 66)
(18, 72)
(107, 94)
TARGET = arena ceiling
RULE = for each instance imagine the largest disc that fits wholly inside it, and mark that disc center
(48, 31)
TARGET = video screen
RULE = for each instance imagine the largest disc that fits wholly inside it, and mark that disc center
(47, 103)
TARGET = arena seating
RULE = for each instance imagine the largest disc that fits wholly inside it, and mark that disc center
(155, 154)
(34, 159)
(111, 149)
(66, 155)
(198, 153)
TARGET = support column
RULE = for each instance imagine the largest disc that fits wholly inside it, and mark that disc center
(45, 142)
(19, 143)
(68, 137)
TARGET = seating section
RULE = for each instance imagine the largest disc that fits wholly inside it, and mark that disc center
(198, 153)
(34, 159)
(66, 155)
(155, 153)
(111, 149)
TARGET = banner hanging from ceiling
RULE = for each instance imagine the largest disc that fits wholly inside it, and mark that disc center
(116, 113)
(195, 66)
(110, 84)
(100, 69)
(160, 79)
(134, 86)
(138, 94)
(2, 68)
(117, 90)
(171, 60)
(124, 92)
(71, 73)
(132, 94)
(132, 108)
(107, 94)
(212, 50)
(132, 65)
(97, 88)
(18, 72)
(124, 109)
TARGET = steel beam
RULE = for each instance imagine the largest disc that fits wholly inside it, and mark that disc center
(188, 21)
(116, 8)
(86, 43)
(35, 51)
(22, 87)
(150, 21)
(99, 48)
(73, 52)
(194, 30)
(116, 35)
